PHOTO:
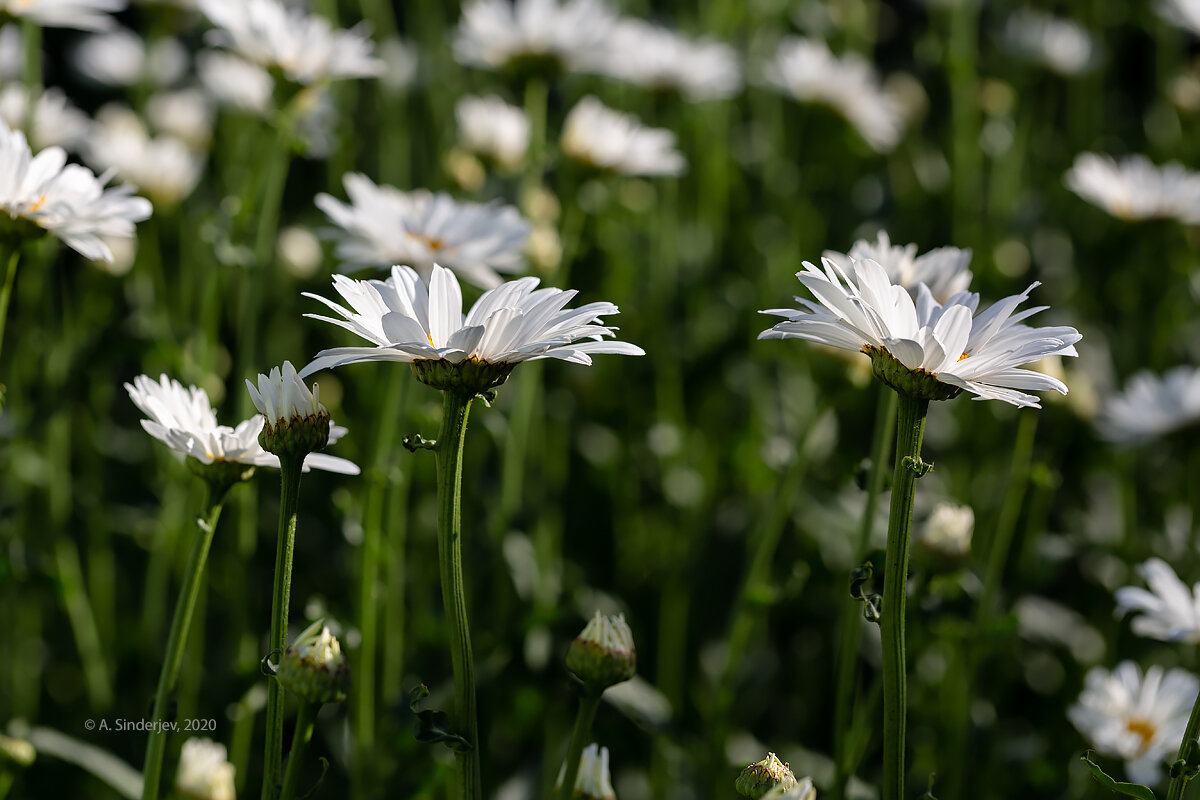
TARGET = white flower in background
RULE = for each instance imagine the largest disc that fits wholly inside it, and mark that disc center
(12, 53)
(496, 33)
(809, 72)
(948, 530)
(492, 128)
(204, 771)
(56, 121)
(185, 114)
(184, 420)
(122, 58)
(299, 250)
(943, 270)
(1138, 720)
(305, 47)
(612, 140)
(282, 396)
(401, 61)
(1169, 610)
(1135, 189)
(512, 323)
(382, 226)
(65, 199)
(656, 57)
(233, 81)
(84, 15)
(1151, 406)
(1058, 44)
(922, 339)
(1183, 14)
(163, 168)
(592, 782)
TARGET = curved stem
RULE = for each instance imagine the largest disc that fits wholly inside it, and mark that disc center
(289, 480)
(909, 430)
(588, 703)
(177, 638)
(305, 722)
(1179, 782)
(10, 276)
(455, 408)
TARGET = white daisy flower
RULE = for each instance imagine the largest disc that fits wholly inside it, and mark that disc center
(592, 782)
(1059, 44)
(493, 128)
(1169, 610)
(497, 33)
(943, 270)
(56, 120)
(612, 140)
(656, 57)
(948, 531)
(1140, 720)
(164, 168)
(382, 226)
(401, 62)
(184, 420)
(12, 53)
(122, 58)
(305, 47)
(205, 772)
(234, 82)
(185, 114)
(1183, 14)
(65, 199)
(1151, 406)
(809, 72)
(515, 322)
(1135, 189)
(84, 15)
(924, 348)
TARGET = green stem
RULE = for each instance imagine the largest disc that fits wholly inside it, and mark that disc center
(536, 93)
(588, 703)
(1006, 522)
(10, 276)
(516, 445)
(305, 722)
(178, 635)
(289, 479)
(31, 42)
(909, 430)
(1179, 782)
(455, 409)
(848, 624)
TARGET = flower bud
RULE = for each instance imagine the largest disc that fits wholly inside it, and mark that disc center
(204, 771)
(763, 776)
(803, 790)
(592, 781)
(314, 668)
(603, 654)
(296, 422)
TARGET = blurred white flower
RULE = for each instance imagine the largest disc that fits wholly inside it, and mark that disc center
(84, 15)
(809, 72)
(1183, 14)
(492, 128)
(305, 47)
(12, 53)
(512, 323)
(1151, 406)
(185, 114)
(184, 420)
(1169, 610)
(233, 81)
(612, 140)
(592, 782)
(1135, 189)
(981, 353)
(401, 61)
(65, 199)
(1140, 720)
(948, 530)
(205, 772)
(496, 33)
(163, 168)
(299, 250)
(120, 57)
(56, 121)
(1059, 44)
(943, 270)
(383, 226)
(656, 57)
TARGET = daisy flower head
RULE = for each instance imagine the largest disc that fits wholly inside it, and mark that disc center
(163, 167)
(656, 57)
(532, 35)
(1135, 189)
(122, 58)
(204, 771)
(613, 140)
(592, 782)
(492, 128)
(296, 422)
(1058, 44)
(1169, 610)
(806, 70)
(943, 270)
(1139, 719)
(920, 347)
(44, 193)
(382, 226)
(407, 321)
(84, 15)
(1151, 406)
(234, 82)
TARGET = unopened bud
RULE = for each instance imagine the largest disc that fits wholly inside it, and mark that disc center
(603, 654)
(763, 776)
(314, 668)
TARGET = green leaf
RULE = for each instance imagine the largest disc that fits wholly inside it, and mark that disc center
(1127, 789)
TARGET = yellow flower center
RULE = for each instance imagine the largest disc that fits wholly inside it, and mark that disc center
(432, 242)
(1145, 730)
(964, 355)
(41, 201)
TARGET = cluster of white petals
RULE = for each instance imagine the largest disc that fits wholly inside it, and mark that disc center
(1152, 405)
(979, 352)
(234, 82)
(611, 634)
(282, 396)
(1135, 189)
(205, 772)
(494, 33)
(1140, 720)
(492, 128)
(65, 199)
(809, 72)
(1058, 44)
(592, 782)
(383, 226)
(948, 530)
(84, 15)
(515, 322)
(56, 122)
(943, 270)
(1168, 611)
(656, 57)
(1184, 14)
(184, 420)
(613, 140)
(162, 167)
(121, 57)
